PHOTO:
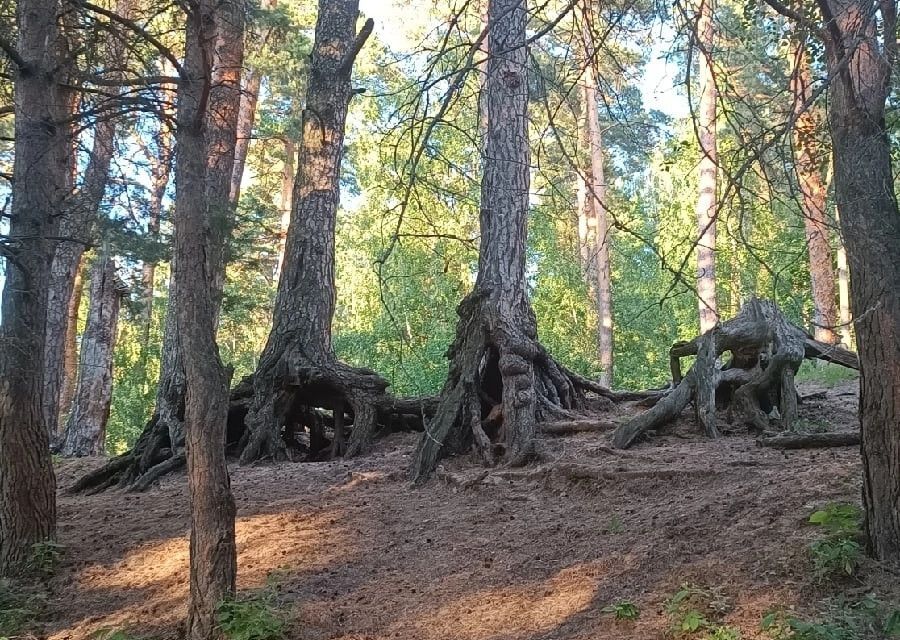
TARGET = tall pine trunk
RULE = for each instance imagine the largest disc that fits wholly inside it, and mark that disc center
(598, 238)
(299, 345)
(85, 432)
(497, 366)
(285, 201)
(870, 224)
(213, 557)
(809, 165)
(708, 167)
(70, 353)
(42, 148)
(843, 272)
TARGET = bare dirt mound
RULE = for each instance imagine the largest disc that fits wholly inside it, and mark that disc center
(353, 551)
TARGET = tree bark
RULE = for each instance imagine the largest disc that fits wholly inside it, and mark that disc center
(598, 217)
(213, 557)
(298, 365)
(284, 204)
(706, 201)
(41, 158)
(870, 225)
(77, 229)
(501, 380)
(246, 118)
(85, 432)
(843, 272)
(808, 163)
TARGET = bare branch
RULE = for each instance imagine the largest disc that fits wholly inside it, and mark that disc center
(12, 54)
(358, 43)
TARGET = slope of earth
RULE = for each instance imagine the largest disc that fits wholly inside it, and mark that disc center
(351, 551)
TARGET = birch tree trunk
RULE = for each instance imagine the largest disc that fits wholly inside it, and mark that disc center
(809, 167)
(85, 432)
(42, 148)
(708, 166)
(870, 225)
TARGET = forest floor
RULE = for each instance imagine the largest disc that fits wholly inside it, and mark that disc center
(351, 551)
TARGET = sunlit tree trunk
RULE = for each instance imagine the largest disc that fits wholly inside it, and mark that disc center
(843, 290)
(706, 202)
(299, 344)
(41, 161)
(809, 164)
(213, 557)
(598, 215)
(70, 355)
(870, 225)
(85, 431)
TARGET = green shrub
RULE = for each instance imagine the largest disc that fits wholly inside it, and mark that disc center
(689, 609)
(45, 557)
(867, 619)
(18, 608)
(251, 618)
(623, 610)
(838, 553)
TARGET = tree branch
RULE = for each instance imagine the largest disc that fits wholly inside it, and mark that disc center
(358, 43)
(12, 54)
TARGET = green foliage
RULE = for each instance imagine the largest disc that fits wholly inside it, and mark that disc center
(838, 553)
(19, 607)
(825, 373)
(254, 617)
(866, 619)
(690, 611)
(112, 634)
(45, 557)
(624, 610)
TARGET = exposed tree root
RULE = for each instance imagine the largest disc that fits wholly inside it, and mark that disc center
(501, 384)
(810, 440)
(305, 432)
(766, 351)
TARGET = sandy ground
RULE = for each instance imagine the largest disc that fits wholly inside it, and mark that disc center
(353, 551)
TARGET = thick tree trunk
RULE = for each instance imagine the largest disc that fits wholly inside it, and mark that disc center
(246, 118)
(766, 351)
(598, 219)
(85, 432)
(42, 149)
(809, 164)
(213, 556)
(500, 380)
(870, 225)
(706, 201)
(297, 366)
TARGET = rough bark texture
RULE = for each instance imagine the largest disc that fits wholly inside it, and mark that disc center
(809, 164)
(706, 201)
(213, 556)
(870, 225)
(42, 149)
(77, 227)
(85, 432)
(766, 350)
(297, 366)
(501, 380)
(599, 266)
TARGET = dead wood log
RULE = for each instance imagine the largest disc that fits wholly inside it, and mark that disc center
(766, 351)
(564, 427)
(810, 440)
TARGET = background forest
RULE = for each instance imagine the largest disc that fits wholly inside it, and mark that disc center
(408, 223)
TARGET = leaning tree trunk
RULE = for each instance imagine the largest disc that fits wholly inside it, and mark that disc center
(598, 229)
(706, 201)
(41, 159)
(85, 432)
(501, 380)
(870, 225)
(298, 366)
(213, 556)
(766, 351)
(77, 229)
(808, 166)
